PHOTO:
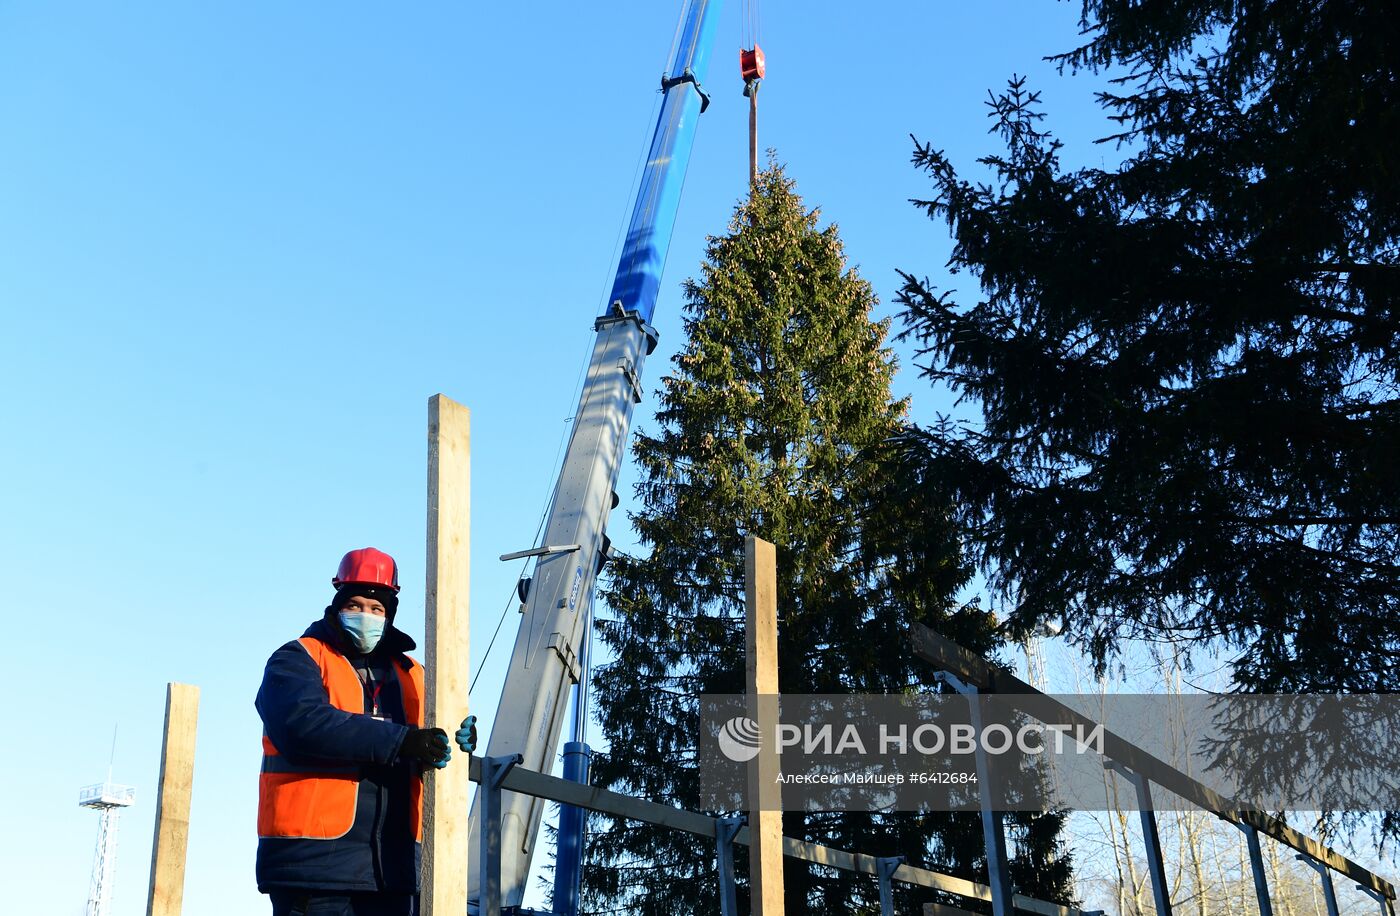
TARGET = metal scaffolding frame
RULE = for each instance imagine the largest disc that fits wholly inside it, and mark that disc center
(971, 674)
(503, 774)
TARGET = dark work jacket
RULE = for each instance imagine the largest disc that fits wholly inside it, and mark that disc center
(380, 852)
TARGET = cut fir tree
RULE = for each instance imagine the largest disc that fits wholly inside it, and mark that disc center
(774, 423)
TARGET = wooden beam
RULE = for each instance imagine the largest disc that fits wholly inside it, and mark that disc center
(447, 792)
(172, 834)
(947, 655)
(761, 683)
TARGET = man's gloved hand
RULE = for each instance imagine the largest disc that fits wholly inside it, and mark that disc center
(466, 735)
(428, 746)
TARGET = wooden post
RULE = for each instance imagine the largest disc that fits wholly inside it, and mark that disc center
(447, 792)
(761, 683)
(172, 833)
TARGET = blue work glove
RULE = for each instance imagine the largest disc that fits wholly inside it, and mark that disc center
(466, 735)
(429, 746)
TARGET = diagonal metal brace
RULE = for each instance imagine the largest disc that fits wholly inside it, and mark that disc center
(1329, 892)
(1382, 899)
(1256, 866)
(884, 871)
(493, 772)
(1156, 863)
(993, 832)
(726, 829)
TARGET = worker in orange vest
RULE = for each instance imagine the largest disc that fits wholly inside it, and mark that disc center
(340, 796)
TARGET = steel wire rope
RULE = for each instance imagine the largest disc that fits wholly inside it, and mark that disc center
(610, 267)
(632, 206)
(750, 24)
(614, 266)
(648, 205)
(567, 434)
(676, 38)
(667, 130)
(564, 436)
(695, 45)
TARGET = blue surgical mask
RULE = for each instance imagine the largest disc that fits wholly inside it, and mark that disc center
(364, 630)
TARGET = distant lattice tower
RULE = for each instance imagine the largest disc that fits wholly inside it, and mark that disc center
(109, 799)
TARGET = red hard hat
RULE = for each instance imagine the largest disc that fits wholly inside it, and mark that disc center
(367, 565)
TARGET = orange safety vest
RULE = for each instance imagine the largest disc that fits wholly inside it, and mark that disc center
(318, 801)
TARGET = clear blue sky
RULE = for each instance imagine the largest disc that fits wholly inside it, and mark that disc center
(240, 246)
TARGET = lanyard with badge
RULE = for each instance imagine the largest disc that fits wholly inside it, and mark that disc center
(373, 688)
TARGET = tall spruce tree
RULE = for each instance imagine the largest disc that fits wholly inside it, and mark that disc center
(1187, 365)
(778, 406)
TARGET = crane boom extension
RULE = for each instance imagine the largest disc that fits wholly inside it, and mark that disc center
(545, 661)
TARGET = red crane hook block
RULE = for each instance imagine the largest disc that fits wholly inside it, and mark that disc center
(751, 63)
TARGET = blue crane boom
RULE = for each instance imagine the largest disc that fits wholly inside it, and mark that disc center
(551, 646)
